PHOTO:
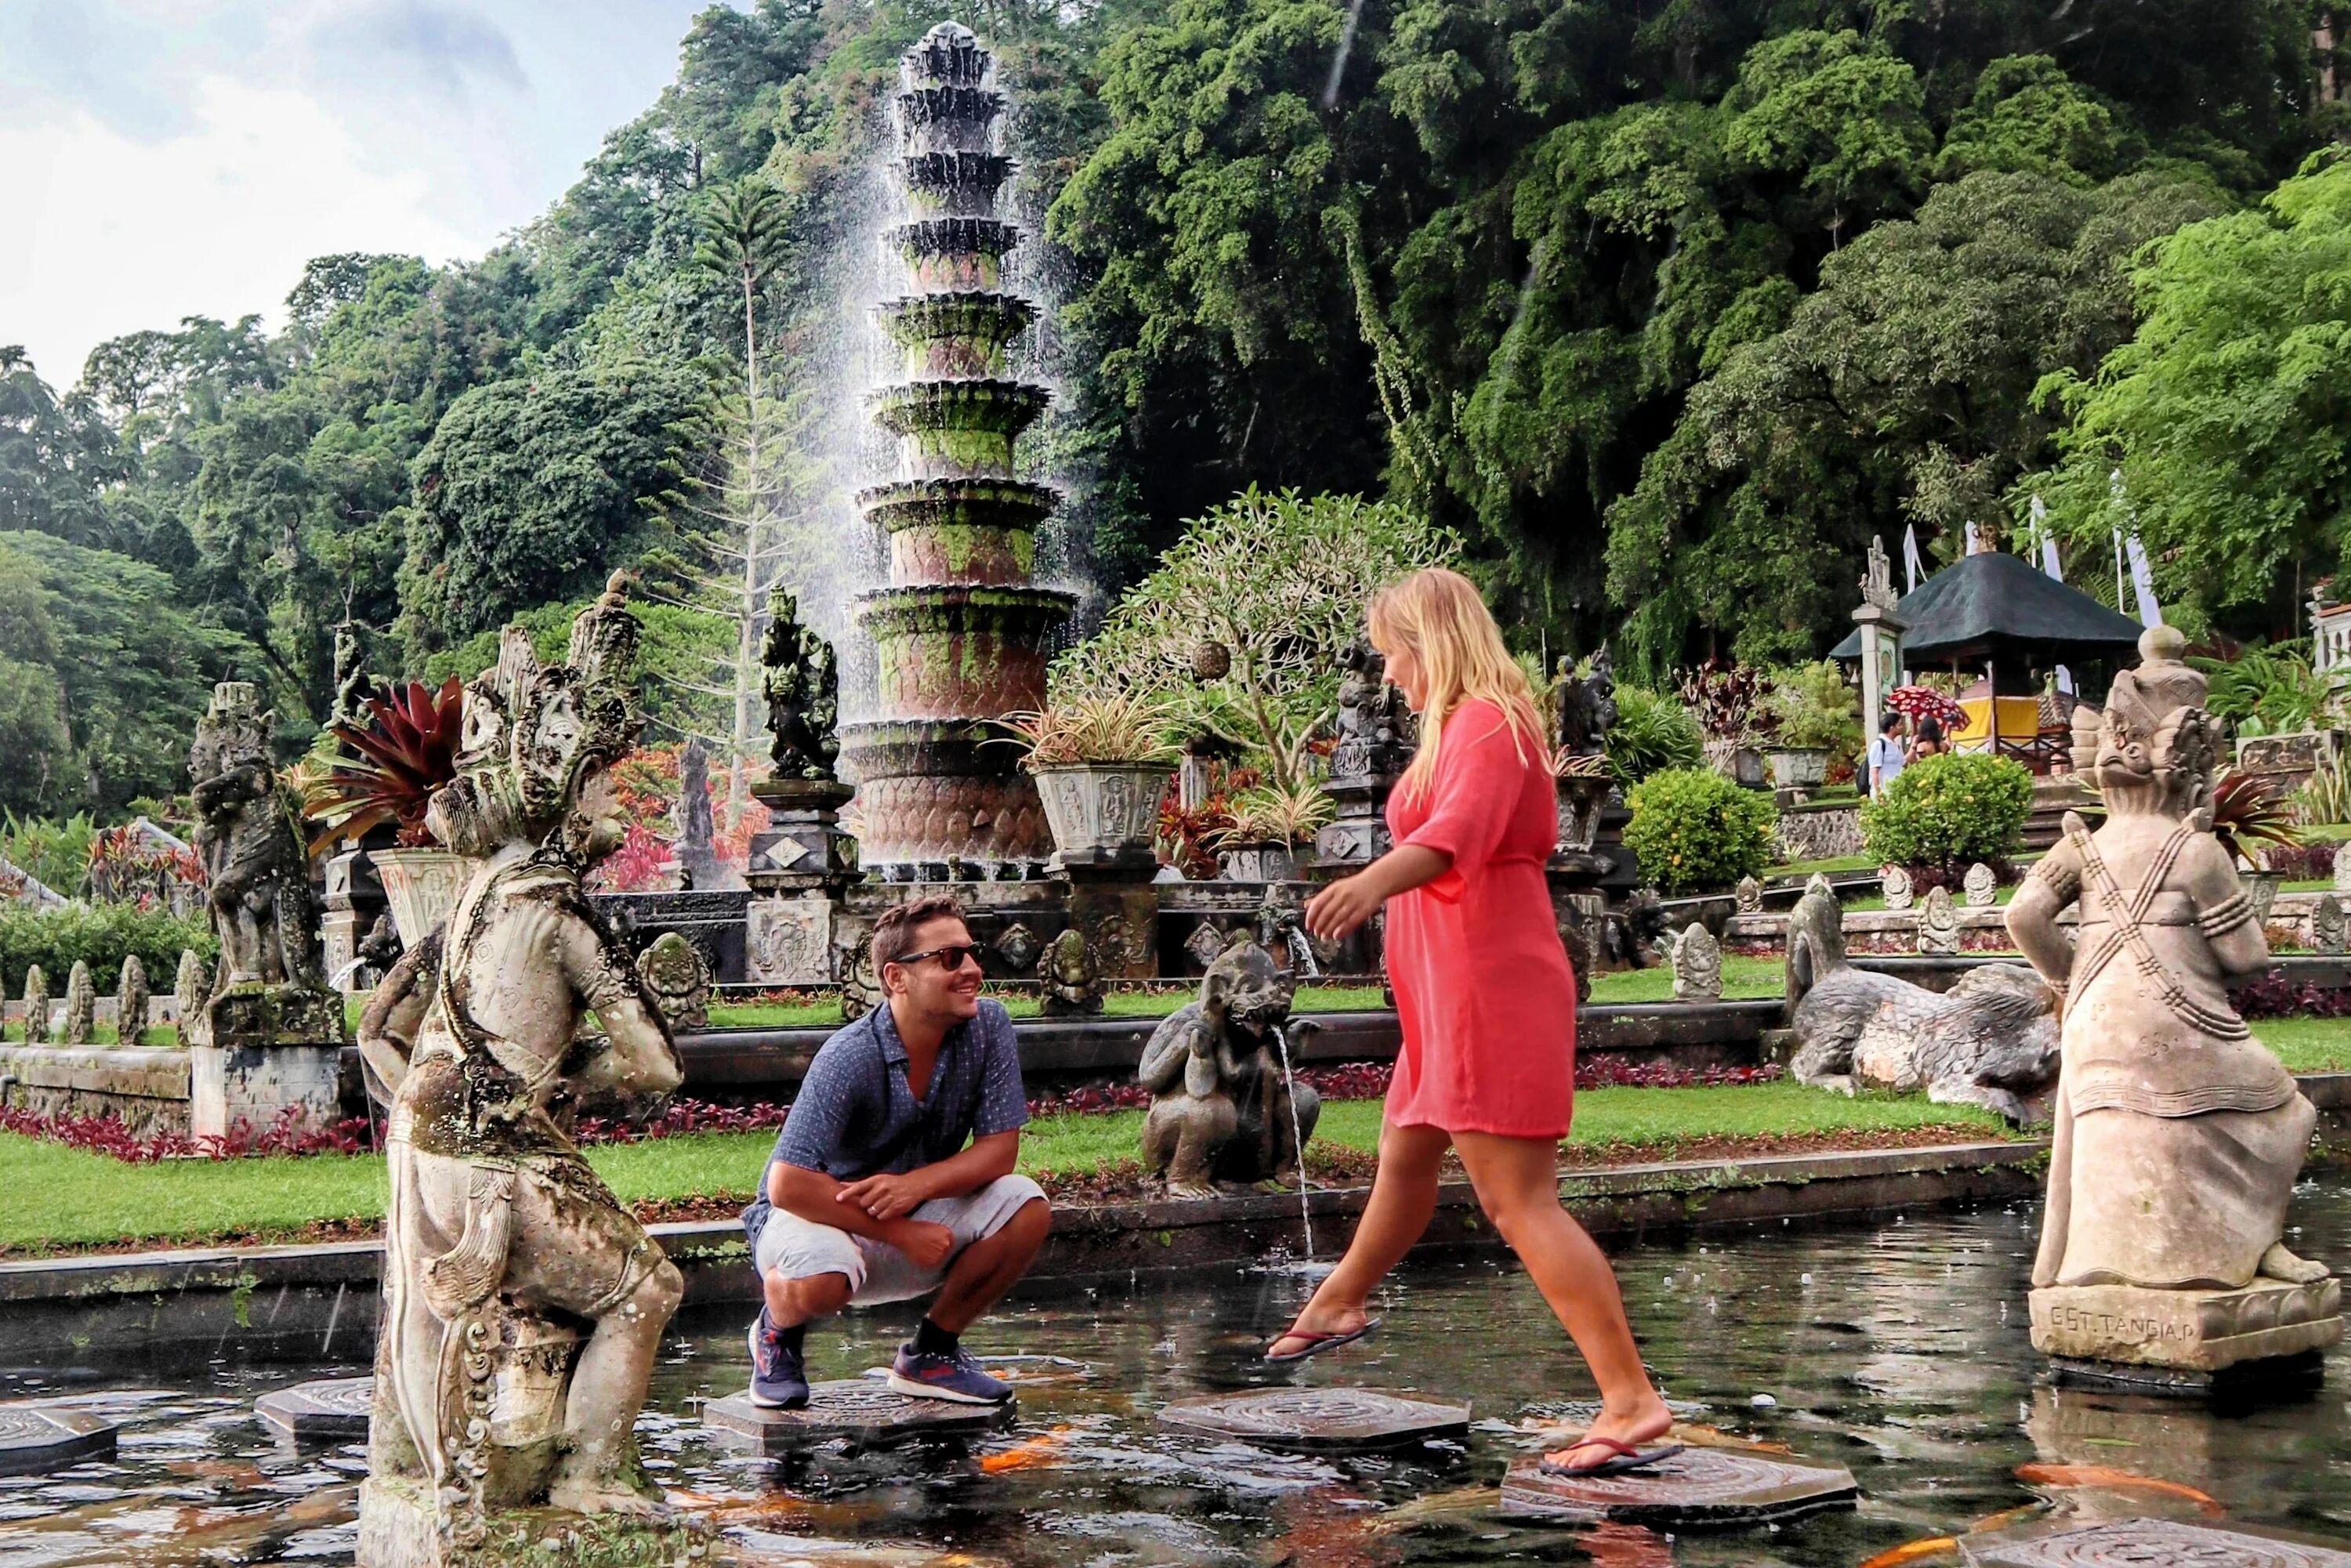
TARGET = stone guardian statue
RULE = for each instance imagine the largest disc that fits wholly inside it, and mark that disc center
(2178, 1136)
(501, 1243)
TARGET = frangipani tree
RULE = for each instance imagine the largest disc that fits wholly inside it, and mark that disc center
(1241, 628)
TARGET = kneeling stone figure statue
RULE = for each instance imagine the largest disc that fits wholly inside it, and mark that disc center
(2179, 1135)
(1221, 1108)
(1991, 1041)
(500, 1241)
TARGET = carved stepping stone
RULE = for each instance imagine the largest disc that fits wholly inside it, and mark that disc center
(36, 1438)
(330, 1408)
(1699, 1486)
(2075, 1543)
(1319, 1421)
(852, 1410)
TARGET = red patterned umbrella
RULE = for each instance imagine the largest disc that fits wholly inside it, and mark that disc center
(1920, 704)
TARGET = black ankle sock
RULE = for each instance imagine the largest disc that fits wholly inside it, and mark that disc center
(791, 1338)
(932, 1340)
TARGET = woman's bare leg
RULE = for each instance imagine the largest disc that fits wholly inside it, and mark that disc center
(1402, 1201)
(1517, 1186)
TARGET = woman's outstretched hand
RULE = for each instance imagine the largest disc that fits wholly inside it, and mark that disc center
(1346, 904)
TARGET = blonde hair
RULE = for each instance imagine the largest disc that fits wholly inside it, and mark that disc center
(1438, 615)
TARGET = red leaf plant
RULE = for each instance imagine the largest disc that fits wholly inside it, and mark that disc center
(407, 749)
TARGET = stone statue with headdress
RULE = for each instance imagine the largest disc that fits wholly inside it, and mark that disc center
(500, 1240)
(2177, 1136)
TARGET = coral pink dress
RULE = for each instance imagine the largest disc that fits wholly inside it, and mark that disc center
(1481, 982)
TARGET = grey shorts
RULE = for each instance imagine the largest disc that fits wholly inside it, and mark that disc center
(801, 1249)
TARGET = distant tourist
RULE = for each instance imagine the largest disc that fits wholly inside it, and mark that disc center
(1885, 754)
(1929, 742)
(870, 1195)
(1488, 1005)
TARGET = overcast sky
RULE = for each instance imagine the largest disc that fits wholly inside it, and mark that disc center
(170, 158)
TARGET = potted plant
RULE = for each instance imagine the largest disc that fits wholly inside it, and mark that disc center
(1815, 716)
(392, 765)
(1271, 824)
(1728, 702)
(1101, 764)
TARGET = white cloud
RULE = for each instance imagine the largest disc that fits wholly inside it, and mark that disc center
(110, 233)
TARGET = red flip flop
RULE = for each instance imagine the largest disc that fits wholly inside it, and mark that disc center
(1629, 1457)
(1316, 1344)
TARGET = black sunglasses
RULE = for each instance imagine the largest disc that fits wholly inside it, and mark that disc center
(951, 958)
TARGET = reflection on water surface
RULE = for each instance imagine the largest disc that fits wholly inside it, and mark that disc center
(1898, 1348)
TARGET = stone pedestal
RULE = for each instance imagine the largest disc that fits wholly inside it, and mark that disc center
(851, 1410)
(35, 1437)
(2084, 1543)
(256, 1084)
(1358, 834)
(1705, 1485)
(1320, 1420)
(1119, 914)
(799, 867)
(399, 1529)
(2181, 1341)
(329, 1409)
(354, 898)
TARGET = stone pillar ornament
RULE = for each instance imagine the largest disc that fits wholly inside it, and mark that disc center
(130, 998)
(2177, 1136)
(802, 863)
(1222, 1109)
(82, 1005)
(1882, 626)
(1982, 888)
(269, 1037)
(1939, 924)
(37, 1006)
(523, 1303)
(1376, 740)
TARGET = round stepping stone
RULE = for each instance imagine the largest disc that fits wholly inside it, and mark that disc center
(2175, 1543)
(1319, 1421)
(1699, 1486)
(328, 1408)
(852, 1410)
(33, 1437)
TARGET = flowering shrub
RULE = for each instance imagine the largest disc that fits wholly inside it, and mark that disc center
(2274, 995)
(644, 863)
(1695, 829)
(107, 1136)
(1948, 810)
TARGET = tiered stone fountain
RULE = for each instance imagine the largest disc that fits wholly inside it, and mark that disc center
(961, 631)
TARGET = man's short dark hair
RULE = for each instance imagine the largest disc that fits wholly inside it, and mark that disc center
(894, 932)
(1889, 721)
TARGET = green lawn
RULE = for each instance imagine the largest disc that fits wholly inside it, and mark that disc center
(100, 1034)
(1741, 978)
(67, 1198)
(2308, 1045)
(1835, 866)
(1116, 1004)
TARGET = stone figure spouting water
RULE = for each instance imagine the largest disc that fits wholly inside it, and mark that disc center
(1221, 1108)
(2177, 1136)
(802, 686)
(501, 1242)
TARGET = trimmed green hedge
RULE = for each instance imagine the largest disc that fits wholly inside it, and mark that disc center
(99, 935)
(1696, 830)
(1947, 811)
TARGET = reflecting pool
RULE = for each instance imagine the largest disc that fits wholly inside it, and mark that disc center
(1897, 1348)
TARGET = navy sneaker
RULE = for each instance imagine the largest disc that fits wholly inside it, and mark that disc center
(778, 1375)
(958, 1378)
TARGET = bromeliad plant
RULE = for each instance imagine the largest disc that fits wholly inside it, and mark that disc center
(2248, 811)
(407, 749)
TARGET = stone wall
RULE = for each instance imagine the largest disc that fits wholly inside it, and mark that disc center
(147, 1088)
(1820, 834)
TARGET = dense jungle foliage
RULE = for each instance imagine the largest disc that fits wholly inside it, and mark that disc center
(1664, 306)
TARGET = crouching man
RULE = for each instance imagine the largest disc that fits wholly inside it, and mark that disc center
(892, 1177)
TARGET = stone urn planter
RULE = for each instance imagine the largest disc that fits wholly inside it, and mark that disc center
(1272, 859)
(421, 886)
(1740, 763)
(1798, 766)
(1103, 813)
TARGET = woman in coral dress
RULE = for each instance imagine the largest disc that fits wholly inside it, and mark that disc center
(1487, 1002)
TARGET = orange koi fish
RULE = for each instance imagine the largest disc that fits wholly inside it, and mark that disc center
(1911, 1551)
(2104, 1476)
